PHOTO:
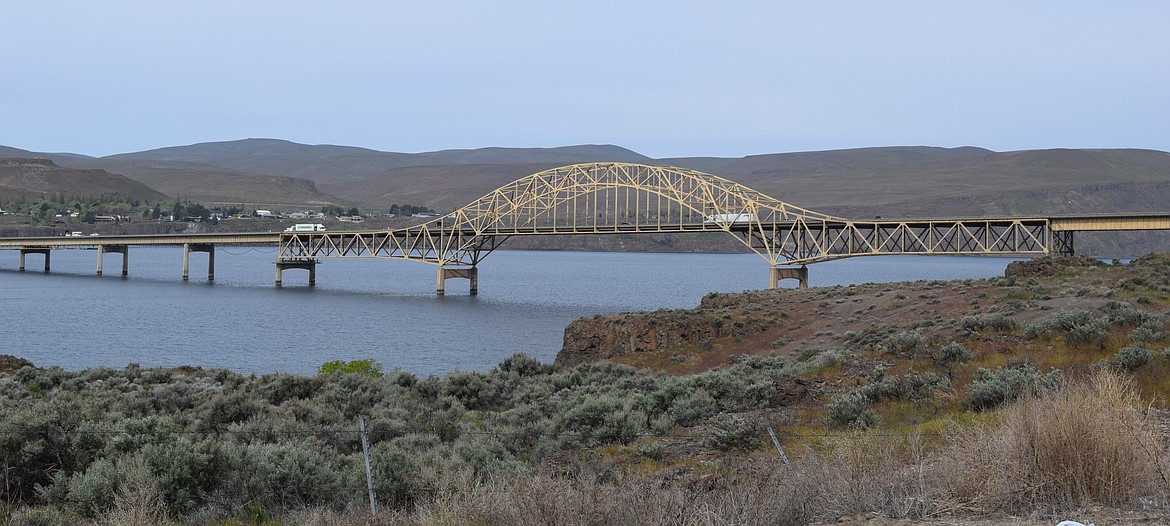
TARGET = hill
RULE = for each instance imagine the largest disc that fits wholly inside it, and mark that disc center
(337, 164)
(212, 185)
(926, 182)
(442, 187)
(32, 178)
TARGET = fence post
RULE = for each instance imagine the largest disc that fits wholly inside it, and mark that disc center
(369, 472)
(781, 450)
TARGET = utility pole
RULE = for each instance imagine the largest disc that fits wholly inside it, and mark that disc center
(774, 441)
(369, 472)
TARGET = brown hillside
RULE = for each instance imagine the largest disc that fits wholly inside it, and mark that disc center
(443, 188)
(211, 185)
(339, 164)
(36, 177)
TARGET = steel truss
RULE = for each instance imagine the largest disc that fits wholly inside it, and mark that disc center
(608, 198)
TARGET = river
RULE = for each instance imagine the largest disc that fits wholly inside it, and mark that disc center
(386, 310)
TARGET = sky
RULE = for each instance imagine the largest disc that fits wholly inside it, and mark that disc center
(666, 79)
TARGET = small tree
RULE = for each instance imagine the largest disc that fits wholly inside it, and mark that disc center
(949, 356)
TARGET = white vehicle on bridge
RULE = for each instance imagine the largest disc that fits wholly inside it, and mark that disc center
(306, 227)
(729, 218)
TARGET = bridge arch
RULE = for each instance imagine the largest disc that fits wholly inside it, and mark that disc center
(614, 197)
(627, 197)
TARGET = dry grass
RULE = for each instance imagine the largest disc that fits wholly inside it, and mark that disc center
(1090, 443)
(1087, 443)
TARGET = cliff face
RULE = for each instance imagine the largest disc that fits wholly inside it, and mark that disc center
(608, 337)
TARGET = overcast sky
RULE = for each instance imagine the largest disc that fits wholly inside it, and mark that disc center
(666, 79)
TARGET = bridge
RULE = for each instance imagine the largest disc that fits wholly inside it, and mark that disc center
(626, 198)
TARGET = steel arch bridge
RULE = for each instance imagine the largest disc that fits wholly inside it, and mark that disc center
(611, 197)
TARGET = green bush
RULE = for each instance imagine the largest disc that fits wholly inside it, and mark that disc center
(906, 342)
(990, 389)
(851, 410)
(731, 431)
(1131, 358)
(688, 411)
(367, 367)
(950, 356)
(598, 421)
(996, 322)
(1079, 326)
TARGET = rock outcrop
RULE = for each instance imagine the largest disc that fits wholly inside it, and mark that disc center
(607, 337)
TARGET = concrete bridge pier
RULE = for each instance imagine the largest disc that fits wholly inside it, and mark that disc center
(117, 249)
(798, 273)
(307, 264)
(44, 251)
(209, 248)
(471, 274)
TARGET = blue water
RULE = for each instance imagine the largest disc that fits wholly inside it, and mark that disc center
(368, 308)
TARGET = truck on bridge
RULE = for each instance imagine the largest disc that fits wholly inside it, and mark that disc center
(729, 218)
(306, 227)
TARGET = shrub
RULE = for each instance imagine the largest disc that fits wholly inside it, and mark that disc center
(1130, 358)
(689, 410)
(992, 389)
(906, 342)
(277, 388)
(367, 367)
(1079, 326)
(1064, 449)
(138, 500)
(949, 356)
(524, 365)
(731, 431)
(1122, 314)
(92, 492)
(473, 389)
(1092, 333)
(995, 322)
(597, 421)
(851, 410)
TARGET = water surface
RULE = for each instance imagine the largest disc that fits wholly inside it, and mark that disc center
(369, 308)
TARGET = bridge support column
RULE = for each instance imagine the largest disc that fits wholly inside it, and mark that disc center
(188, 248)
(798, 273)
(1063, 242)
(117, 249)
(44, 251)
(471, 274)
(309, 265)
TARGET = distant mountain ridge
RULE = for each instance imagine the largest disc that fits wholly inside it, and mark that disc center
(899, 181)
(334, 164)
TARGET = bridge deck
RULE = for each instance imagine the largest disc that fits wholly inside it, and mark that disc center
(1080, 223)
(243, 238)
(1089, 223)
